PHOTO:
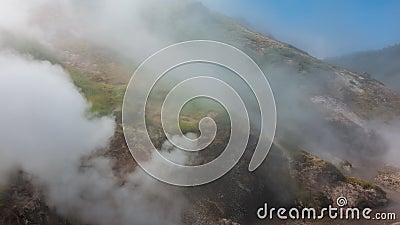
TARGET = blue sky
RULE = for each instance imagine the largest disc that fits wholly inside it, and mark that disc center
(323, 28)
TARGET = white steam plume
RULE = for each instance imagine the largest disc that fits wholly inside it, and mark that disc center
(44, 132)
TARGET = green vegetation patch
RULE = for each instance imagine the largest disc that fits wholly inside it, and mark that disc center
(104, 98)
(364, 184)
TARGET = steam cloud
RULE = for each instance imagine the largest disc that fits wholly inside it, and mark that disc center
(45, 132)
(44, 128)
(391, 134)
(132, 28)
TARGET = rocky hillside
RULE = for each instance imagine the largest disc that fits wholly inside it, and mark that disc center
(324, 112)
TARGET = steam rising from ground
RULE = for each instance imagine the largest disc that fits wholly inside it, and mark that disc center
(174, 154)
(44, 128)
(391, 134)
(43, 119)
(132, 28)
(45, 132)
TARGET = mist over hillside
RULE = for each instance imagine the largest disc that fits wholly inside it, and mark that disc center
(64, 67)
(382, 64)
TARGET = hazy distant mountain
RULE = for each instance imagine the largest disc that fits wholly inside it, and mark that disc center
(382, 65)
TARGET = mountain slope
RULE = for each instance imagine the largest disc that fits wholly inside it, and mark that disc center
(323, 109)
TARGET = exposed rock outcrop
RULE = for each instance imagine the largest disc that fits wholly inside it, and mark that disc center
(326, 183)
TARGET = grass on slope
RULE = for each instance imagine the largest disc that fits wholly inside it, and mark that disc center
(103, 97)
